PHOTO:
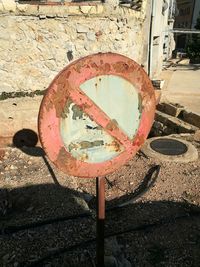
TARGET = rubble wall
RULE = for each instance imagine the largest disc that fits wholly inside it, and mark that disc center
(38, 41)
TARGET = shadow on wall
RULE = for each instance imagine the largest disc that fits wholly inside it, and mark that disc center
(50, 225)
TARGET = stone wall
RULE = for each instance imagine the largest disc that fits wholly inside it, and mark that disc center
(36, 42)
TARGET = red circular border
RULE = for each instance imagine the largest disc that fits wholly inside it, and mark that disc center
(59, 91)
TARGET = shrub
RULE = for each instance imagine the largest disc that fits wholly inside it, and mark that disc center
(193, 46)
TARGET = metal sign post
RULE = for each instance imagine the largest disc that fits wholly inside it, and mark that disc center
(94, 117)
(100, 191)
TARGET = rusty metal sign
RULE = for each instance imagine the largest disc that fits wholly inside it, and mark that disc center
(96, 114)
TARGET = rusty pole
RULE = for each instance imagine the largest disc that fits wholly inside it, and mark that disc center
(100, 191)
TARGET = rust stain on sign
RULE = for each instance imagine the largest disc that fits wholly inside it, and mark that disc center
(112, 125)
(121, 67)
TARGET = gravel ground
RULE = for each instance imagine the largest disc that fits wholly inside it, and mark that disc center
(47, 217)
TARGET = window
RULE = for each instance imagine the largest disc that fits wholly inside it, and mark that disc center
(184, 11)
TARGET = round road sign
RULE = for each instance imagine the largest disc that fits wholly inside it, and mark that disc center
(96, 114)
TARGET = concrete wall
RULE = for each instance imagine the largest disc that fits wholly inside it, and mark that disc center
(36, 42)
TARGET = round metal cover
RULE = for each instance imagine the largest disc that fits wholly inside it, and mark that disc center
(96, 114)
(167, 146)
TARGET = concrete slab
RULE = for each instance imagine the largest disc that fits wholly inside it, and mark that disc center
(17, 114)
(183, 86)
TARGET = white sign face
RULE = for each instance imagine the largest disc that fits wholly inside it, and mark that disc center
(84, 138)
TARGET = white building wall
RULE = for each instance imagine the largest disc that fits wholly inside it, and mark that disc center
(162, 40)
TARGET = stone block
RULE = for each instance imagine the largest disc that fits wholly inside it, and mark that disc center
(50, 64)
(159, 116)
(93, 10)
(22, 8)
(91, 36)
(52, 10)
(158, 125)
(50, 16)
(47, 9)
(74, 10)
(155, 132)
(118, 37)
(42, 16)
(30, 10)
(9, 5)
(99, 9)
(6, 87)
(167, 130)
(190, 117)
(160, 107)
(27, 9)
(170, 109)
(197, 136)
(86, 9)
(1, 7)
(81, 28)
(175, 124)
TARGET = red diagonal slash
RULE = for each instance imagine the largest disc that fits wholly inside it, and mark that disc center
(95, 113)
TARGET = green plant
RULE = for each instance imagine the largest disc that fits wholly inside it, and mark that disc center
(193, 46)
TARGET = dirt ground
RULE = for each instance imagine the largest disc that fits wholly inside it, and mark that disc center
(48, 218)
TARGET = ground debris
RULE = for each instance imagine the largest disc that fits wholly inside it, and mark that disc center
(44, 213)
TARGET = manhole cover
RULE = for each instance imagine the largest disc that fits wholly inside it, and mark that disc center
(168, 146)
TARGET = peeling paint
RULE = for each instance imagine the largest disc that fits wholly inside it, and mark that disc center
(86, 144)
(86, 140)
(77, 112)
(111, 125)
(66, 108)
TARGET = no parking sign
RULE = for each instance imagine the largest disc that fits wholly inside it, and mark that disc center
(96, 114)
(94, 117)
